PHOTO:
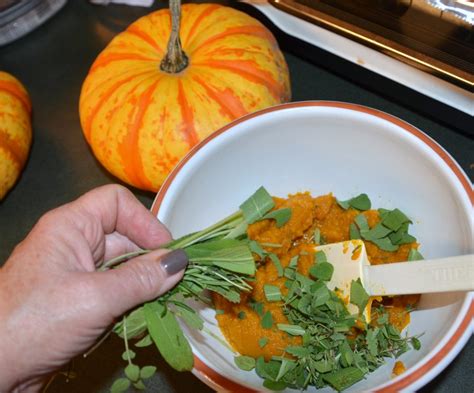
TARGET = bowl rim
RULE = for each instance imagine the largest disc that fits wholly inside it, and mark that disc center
(437, 359)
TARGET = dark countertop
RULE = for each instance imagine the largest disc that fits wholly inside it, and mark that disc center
(52, 63)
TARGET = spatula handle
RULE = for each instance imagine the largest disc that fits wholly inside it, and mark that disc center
(426, 276)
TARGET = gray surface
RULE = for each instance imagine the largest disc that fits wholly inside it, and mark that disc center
(52, 62)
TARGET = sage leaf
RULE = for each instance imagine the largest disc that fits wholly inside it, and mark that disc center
(320, 256)
(272, 293)
(281, 216)
(128, 355)
(343, 378)
(139, 385)
(144, 342)
(190, 318)
(293, 330)
(275, 386)
(358, 295)
(255, 207)
(267, 320)
(245, 363)
(322, 271)
(394, 219)
(132, 371)
(120, 385)
(286, 366)
(385, 244)
(277, 263)
(354, 232)
(415, 255)
(262, 342)
(361, 222)
(360, 202)
(415, 343)
(168, 337)
(147, 372)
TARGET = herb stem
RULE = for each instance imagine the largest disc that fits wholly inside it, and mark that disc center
(125, 339)
(122, 258)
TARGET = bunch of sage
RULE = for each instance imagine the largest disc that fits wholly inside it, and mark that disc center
(220, 261)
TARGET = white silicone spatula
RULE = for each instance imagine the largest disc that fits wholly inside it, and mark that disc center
(350, 262)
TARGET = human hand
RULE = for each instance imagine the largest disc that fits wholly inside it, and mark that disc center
(54, 304)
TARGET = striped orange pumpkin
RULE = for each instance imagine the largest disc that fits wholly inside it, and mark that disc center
(15, 130)
(141, 118)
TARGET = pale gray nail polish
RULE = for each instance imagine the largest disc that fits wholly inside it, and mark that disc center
(174, 261)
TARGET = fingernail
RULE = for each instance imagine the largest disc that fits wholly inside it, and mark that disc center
(174, 261)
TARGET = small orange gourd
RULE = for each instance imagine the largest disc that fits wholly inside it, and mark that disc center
(15, 130)
(145, 102)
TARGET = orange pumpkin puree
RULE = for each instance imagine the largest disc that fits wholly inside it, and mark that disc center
(398, 368)
(293, 238)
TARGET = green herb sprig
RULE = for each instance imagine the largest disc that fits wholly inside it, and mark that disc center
(220, 261)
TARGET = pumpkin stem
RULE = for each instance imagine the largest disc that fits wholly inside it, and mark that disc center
(175, 59)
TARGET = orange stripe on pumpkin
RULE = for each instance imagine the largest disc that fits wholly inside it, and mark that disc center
(187, 126)
(205, 14)
(229, 102)
(13, 89)
(11, 147)
(247, 69)
(256, 31)
(133, 165)
(134, 30)
(104, 99)
(110, 58)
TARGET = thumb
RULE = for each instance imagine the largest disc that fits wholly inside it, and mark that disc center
(141, 279)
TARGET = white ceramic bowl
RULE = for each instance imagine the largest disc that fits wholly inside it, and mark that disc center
(346, 149)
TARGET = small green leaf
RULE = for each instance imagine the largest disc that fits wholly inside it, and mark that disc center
(415, 343)
(317, 236)
(343, 378)
(147, 372)
(256, 248)
(358, 295)
(262, 342)
(286, 366)
(322, 271)
(361, 222)
(354, 232)
(394, 219)
(276, 386)
(385, 244)
(293, 330)
(128, 354)
(320, 256)
(415, 255)
(281, 216)
(139, 385)
(377, 232)
(277, 263)
(241, 315)
(293, 262)
(245, 363)
(120, 385)
(372, 342)
(323, 366)
(144, 342)
(272, 293)
(299, 352)
(344, 204)
(360, 202)
(257, 307)
(255, 207)
(219, 312)
(132, 371)
(267, 320)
